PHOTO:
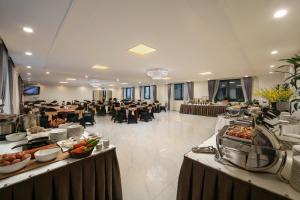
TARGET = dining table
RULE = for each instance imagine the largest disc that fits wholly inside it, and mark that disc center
(94, 177)
(203, 177)
(204, 110)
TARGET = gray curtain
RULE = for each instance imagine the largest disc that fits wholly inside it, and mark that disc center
(154, 89)
(11, 82)
(248, 87)
(141, 88)
(169, 95)
(3, 71)
(133, 93)
(211, 89)
(217, 82)
(21, 88)
(123, 90)
(190, 88)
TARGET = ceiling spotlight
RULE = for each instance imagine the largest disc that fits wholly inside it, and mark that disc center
(47, 73)
(141, 49)
(28, 74)
(124, 83)
(71, 79)
(205, 73)
(86, 76)
(272, 66)
(27, 29)
(101, 67)
(270, 72)
(246, 76)
(63, 82)
(28, 53)
(166, 78)
(117, 80)
(274, 52)
(28, 67)
(140, 82)
(111, 85)
(208, 79)
(280, 13)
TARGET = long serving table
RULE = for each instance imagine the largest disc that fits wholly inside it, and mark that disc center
(203, 178)
(95, 177)
(205, 110)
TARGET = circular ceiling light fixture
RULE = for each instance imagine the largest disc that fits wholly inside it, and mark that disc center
(157, 73)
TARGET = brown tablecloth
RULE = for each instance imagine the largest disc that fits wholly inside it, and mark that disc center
(200, 182)
(95, 177)
(205, 110)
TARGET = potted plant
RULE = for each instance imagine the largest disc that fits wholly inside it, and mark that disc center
(278, 97)
(293, 74)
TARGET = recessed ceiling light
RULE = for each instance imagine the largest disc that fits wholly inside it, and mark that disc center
(246, 76)
(141, 49)
(208, 79)
(27, 29)
(28, 53)
(124, 83)
(63, 82)
(167, 78)
(99, 67)
(274, 52)
(272, 66)
(117, 80)
(86, 76)
(47, 73)
(28, 67)
(111, 85)
(270, 72)
(205, 73)
(280, 13)
(140, 82)
(71, 79)
(28, 74)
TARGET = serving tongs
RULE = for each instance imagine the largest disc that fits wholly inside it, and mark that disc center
(209, 150)
(37, 142)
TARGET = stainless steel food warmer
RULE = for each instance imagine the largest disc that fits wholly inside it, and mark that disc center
(261, 153)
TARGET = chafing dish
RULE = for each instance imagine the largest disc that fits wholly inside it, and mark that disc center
(257, 152)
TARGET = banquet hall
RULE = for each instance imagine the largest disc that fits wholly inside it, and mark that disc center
(149, 100)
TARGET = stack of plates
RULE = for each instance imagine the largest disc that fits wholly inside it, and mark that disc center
(56, 135)
(295, 173)
(75, 130)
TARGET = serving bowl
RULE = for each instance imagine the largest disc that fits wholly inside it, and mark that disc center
(46, 155)
(81, 155)
(14, 167)
(15, 137)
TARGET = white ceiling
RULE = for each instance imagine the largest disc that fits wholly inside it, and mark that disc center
(230, 38)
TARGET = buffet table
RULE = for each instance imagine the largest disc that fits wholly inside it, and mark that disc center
(205, 110)
(93, 177)
(202, 177)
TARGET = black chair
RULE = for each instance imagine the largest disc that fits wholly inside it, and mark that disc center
(44, 121)
(72, 117)
(120, 116)
(163, 108)
(144, 115)
(132, 116)
(88, 117)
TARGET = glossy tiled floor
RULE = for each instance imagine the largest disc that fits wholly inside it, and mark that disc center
(150, 154)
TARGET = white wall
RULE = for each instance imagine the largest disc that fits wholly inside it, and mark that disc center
(267, 81)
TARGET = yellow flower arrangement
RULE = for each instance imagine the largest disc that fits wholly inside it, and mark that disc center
(280, 93)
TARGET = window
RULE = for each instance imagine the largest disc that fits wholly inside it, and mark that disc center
(127, 94)
(178, 91)
(146, 92)
(230, 90)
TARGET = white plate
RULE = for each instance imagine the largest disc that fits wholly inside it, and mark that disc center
(46, 155)
(15, 137)
(14, 167)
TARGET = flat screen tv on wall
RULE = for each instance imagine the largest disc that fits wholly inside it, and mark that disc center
(31, 90)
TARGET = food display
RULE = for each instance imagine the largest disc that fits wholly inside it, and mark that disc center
(83, 148)
(241, 132)
(46, 155)
(36, 129)
(13, 162)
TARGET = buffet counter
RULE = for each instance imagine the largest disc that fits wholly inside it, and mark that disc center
(205, 110)
(202, 177)
(93, 177)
